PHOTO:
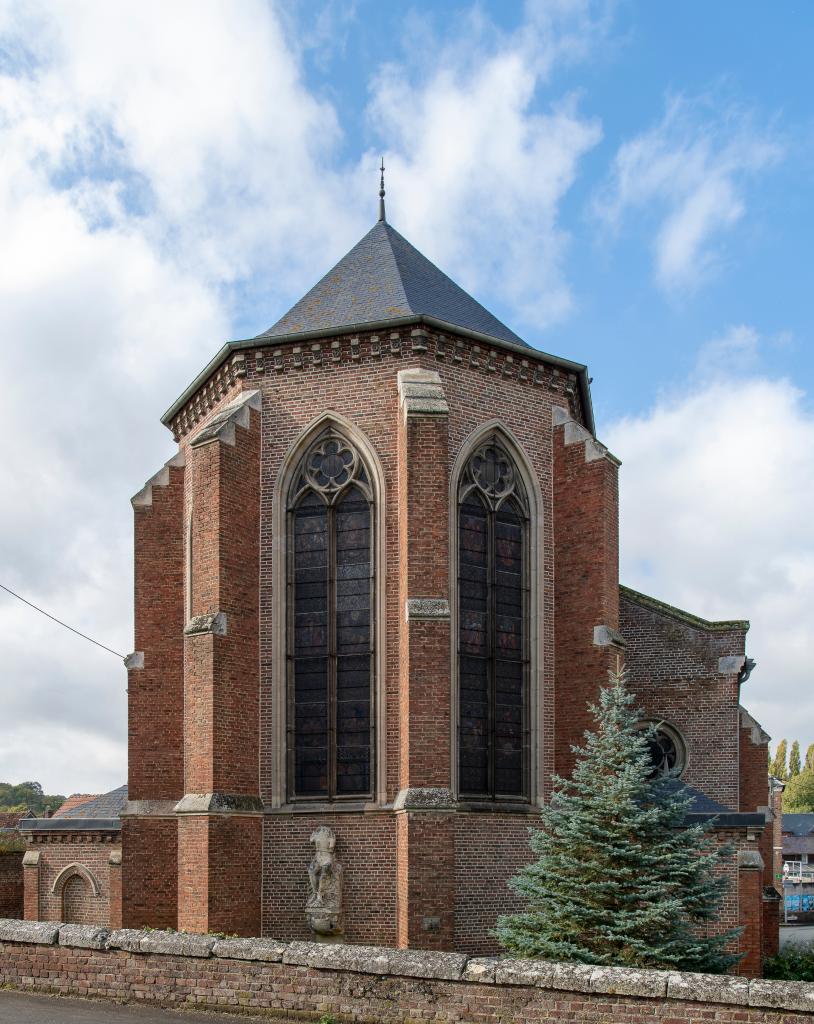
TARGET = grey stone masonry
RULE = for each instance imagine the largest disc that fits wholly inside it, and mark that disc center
(708, 989)
(83, 936)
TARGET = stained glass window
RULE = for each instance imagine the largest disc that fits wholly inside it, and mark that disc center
(331, 577)
(493, 639)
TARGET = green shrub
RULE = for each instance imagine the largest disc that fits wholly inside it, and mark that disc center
(10, 843)
(794, 963)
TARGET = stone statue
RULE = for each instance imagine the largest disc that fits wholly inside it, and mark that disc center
(323, 908)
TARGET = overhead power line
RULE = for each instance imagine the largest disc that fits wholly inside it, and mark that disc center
(61, 623)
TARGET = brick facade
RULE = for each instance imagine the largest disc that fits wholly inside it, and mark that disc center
(210, 839)
(11, 885)
(73, 877)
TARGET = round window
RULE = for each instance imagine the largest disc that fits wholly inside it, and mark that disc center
(667, 751)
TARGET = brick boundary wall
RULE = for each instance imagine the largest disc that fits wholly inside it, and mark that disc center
(372, 985)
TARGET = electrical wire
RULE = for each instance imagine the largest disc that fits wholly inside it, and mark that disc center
(61, 623)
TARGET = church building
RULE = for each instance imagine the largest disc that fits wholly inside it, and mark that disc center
(376, 589)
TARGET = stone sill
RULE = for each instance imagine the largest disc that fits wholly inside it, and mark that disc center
(413, 963)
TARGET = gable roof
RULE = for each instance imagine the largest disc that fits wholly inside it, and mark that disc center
(798, 824)
(74, 800)
(384, 277)
(9, 820)
(108, 805)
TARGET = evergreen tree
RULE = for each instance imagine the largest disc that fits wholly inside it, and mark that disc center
(778, 766)
(809, 763)
(618, 879)
(794, 759)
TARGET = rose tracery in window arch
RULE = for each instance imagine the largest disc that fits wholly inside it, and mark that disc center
(493, 628)
(330, 628)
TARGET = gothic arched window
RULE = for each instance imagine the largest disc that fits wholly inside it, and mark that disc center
(330, 627)
(493, 640)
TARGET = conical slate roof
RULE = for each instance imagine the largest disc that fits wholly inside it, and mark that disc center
(384, 277)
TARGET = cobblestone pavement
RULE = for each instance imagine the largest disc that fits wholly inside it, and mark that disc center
(22, 1008)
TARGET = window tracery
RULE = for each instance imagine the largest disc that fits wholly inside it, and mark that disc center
(330, 634)
(493, 641)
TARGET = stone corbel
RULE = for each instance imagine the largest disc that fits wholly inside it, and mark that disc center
(134, 661)
(606, 636)
(200, 624)
(421, 393)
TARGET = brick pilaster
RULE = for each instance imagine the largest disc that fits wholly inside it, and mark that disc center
(115, 888)
(750, 912)
(586, 579)
(155, 703)
(219, 834)
(31, 885)
(425, 838)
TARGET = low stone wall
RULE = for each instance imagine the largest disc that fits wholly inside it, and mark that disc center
(11, 884)
(365, 984)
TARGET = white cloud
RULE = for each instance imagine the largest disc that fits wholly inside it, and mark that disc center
(477, 175)
(716, 492)
(161, 167)
(691, 170)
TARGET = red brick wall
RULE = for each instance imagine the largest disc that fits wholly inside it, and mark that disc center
(586, 586)
(673, 670)
(11, 885)
(489, 850)
(155, 693)
(366, 849)
(149, 872)
(90, 851)
(285, 991)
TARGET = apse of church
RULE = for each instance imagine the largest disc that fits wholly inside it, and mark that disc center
(375, 591)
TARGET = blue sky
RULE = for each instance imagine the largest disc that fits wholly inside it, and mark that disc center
(625, 184)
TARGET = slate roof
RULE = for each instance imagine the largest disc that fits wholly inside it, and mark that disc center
(108, 805)
(798, 824)
(384, 277)
(74, 800)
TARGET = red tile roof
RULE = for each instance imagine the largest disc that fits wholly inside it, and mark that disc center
(75, 800)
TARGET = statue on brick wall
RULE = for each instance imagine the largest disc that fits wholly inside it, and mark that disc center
(323, 909)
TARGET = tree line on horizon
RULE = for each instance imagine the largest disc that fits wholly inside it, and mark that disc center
(28, 796)
(788, 765)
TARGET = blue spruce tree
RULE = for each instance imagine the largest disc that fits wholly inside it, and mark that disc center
(619, 879)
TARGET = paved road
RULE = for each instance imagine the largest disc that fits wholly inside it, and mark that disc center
(798, 934)
(21, 1008)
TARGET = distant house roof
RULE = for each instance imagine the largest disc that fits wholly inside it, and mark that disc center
(108, 805)
(384, 277)
(74, 800)
(798, 824)
(9, 820)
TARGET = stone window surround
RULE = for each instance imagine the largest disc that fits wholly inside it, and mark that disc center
(535, 625)
(288, 467)
(675, 734)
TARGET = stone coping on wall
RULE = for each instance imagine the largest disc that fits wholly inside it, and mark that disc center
(755, 993)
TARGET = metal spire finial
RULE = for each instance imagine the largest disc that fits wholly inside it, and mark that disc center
(381, 195)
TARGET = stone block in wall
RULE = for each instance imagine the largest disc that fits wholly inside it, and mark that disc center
(782, 995)
(128, 939)
(39, 932)
(707, 988)
(267, 950)
(629, 981)
(83, 936)
(177, 944)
